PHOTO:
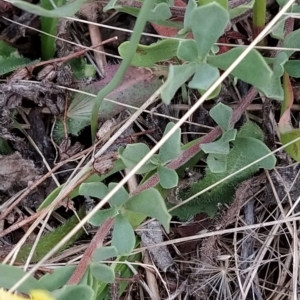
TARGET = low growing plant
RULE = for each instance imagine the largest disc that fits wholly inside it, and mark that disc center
(199, 64)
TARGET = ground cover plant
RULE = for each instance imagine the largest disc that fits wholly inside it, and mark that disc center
(182, 133)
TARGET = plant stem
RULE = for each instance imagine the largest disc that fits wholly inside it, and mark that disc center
(134, 41)
(259, 19)
(96, 242)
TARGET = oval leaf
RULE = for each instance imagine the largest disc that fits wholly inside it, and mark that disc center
(161, 11)
(252, 69)
(104, 253)
(71, 292)
(120, 197)
(256, 149)
(204, 77)
(217, 163)
(150, 203)
(222, 115)
(215, 18)
(57, 279)
(99, 217)
(292, 40)
(251, 129)
(177, 76)
(133, 154)
(12, 275)
(167, 178)
(102, 272)
(187, 50)
(123, 238)
(292, 67)
(192, 5)
(93, 189)
(278, 64)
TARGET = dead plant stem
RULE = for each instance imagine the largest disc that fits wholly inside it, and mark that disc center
(96, 242)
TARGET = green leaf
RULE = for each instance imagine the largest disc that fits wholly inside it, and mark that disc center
(277, 31)
(67, 10)
(292, 40)
(155, 160)
(207, 35)
(123, 271)
(49, 25)
(100, 216)
(167, 178)
(213, 94)
(278, 64)
(217, 163)
(161, 11)
(177, 76)
(133, 154)
(221, 146)
(4, 147)
(217, 147)
(147, 56)
(81, 69)
(273, 89)
(238, 158)
(6, 50)
(204, 77)
(12, 275)
(74, 127)
(229, 135)
(222, 114)
(172, 147)
(256, 149)
(293, 149)
(93, 189)
(118, 166)
(56, 279)
(103, 253)
(252, 69)
(12, 63)
(71, 292)
(292, 67)
(251, 129)
(150, 203)
(102, 272)
(191, 6)
(187, 50)
(123, 237)
(120, 197)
